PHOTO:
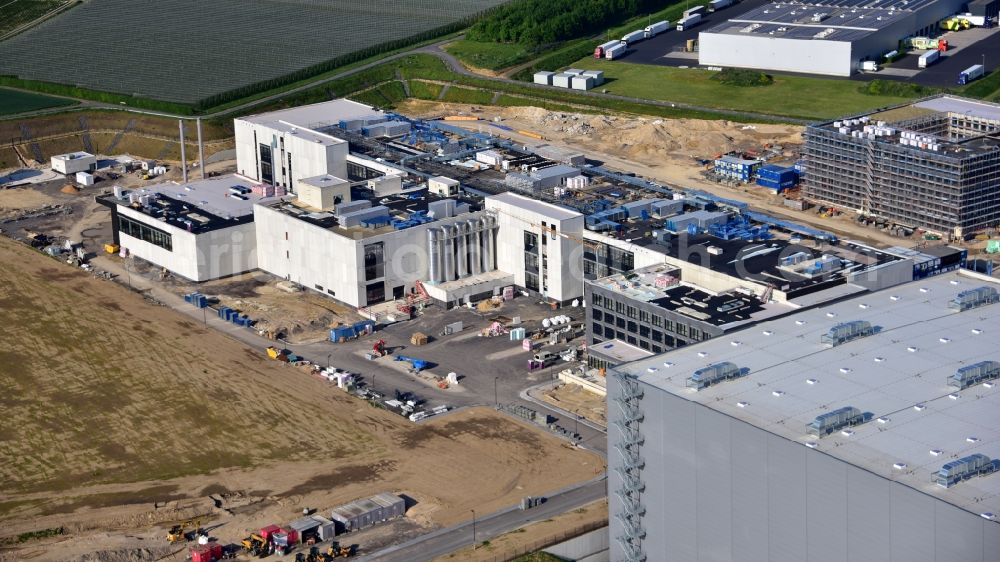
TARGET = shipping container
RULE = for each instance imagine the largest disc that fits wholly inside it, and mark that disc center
(598, 76)
(582, 82)
(615, 52)
(928, 58)
(656, 28)
(969, 74)
(562, 80)
(634, 37)
(544, 77)
(716, 5)
(689, 22)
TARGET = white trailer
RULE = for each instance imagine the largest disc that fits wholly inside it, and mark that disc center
(700, 10)
(657, 28)
(716, 5)
(869, 66)
(689, 22)
(928, 58)
(634, 37)
(615, 52)
(978, 21)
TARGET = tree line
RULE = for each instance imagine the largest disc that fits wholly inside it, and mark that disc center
(541, 22)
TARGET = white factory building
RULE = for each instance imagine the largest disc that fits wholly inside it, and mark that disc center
(74, 162)
(830, 37)
(862, 429)
(282, 147)
(200, 231)
(541, 244)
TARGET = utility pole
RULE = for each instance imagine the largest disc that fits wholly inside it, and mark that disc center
(473, 528)
(495, 399)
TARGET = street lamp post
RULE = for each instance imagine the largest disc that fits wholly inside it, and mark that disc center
(328, 355)
(496, 400)
(473, 528)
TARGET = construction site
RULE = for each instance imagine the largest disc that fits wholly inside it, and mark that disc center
(427, 310)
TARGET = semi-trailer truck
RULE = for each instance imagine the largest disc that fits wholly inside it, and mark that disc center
(601, 49)
(700, 10)
(689, 22)
(657, 28)
(716, 5)
(969, 74)
(615, 52)
(634, 37)
(928, 58)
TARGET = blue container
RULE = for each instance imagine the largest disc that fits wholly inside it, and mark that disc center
(188, 297)
(223, 310)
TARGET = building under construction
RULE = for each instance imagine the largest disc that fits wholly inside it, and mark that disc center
(933, 164)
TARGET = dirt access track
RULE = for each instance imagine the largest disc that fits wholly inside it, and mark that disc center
(122, 416)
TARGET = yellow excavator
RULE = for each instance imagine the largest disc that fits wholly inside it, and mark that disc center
(180, 532)
(255, 545)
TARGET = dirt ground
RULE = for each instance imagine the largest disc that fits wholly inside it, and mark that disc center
(534, 537)
(577, 400)
(665, 150)
(122, 417)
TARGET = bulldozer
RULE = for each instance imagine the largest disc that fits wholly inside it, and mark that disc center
(342, 551)
(255, 545)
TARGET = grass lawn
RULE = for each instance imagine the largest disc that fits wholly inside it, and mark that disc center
(15, 13)
(791, 96)
(491, 56)
(425, 90)
(15, 101)
(465, 95)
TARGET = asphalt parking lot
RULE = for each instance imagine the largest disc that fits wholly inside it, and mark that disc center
(666, 50)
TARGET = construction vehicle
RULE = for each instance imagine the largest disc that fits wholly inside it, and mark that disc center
(955, 24)
(255, 545)
(379, 349)
(176, 533)
(342, 551)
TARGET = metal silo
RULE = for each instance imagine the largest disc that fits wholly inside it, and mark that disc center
(462, 252)
(434, 242)
(489, 242)
(475, 230)
(448, 253)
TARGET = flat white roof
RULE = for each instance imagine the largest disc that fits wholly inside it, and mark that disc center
(323, 180)
(540, 207)
(211, 195)
(620, 351)
(73, 156)
(954, 104)
(920, 343)
(315, 116)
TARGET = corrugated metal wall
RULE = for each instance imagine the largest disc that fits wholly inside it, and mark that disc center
(718, 489)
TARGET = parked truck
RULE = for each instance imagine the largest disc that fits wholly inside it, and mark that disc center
(869, 66)
(634, 37)
(700, 10)
(969, 74)
(602, 49)
(716, 5)
(615, 52)
(657, 28)
(928, 58)
(688, 22)
(924, 43)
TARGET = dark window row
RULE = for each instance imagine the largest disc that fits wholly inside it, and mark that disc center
(145, 233)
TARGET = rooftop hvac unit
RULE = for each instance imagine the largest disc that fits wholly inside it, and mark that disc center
(827, 423)
(973, 298)
(714, 374)
(847, 331)
(974, 374)
(964, 468)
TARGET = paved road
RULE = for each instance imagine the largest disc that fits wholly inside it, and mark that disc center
(445, 541)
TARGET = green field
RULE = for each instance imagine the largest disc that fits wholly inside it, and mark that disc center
(491, 56)
(14, 101)
(15, 13)
(790, 96)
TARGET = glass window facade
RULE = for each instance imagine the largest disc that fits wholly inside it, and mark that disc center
(146, 233)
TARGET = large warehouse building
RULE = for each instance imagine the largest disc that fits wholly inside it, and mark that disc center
(828, 37)
(933, 164)
(867, 429)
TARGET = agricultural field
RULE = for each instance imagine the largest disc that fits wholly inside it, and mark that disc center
(15, 13)
(15, 101)
(207, 48)
(112, 403)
